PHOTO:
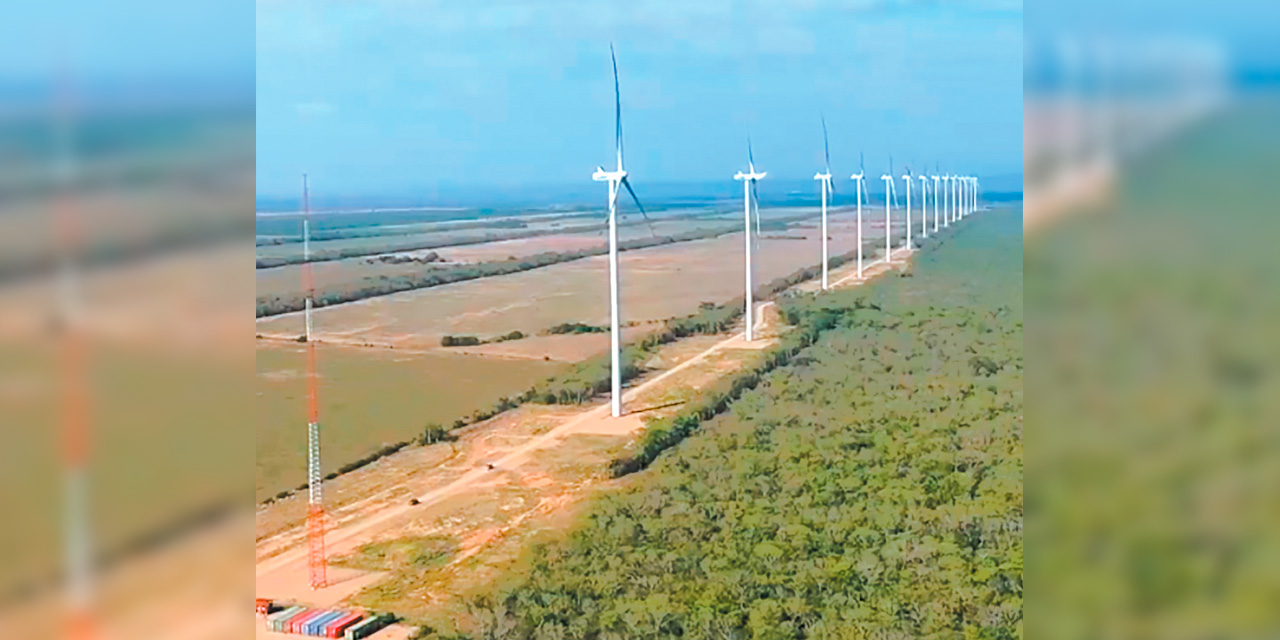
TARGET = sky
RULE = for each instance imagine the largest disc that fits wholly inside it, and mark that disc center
(390, 97)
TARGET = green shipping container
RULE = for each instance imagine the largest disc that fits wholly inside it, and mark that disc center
(368, 627)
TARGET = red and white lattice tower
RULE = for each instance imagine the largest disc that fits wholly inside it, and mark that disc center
(80, 624)
(316, 561)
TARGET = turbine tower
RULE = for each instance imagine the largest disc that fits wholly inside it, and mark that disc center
(858, 177)
(748, 191)
(906, 177)
(616, 179)
(946, 190)
(935, 201)
(825, 179)
(888, 235)
(316, 560)
(924, 205)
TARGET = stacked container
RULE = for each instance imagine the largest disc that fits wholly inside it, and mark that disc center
(367, 628)
(295, 623)
(337, 627)
(275, 621)
(317, 625)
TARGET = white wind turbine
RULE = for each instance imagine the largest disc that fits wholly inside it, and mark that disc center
(924, 205)
(946, 190)
(616, 179)
(906, 177)
(827, 188)
(748, 194)
(888, 192)
(936, 179)
(859, 177)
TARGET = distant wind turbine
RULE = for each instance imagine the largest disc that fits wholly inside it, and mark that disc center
(906, 177)
(825, 179)
(888, 193)
(616, 179)
(748, 194)
(936, 179)
(924, 205)
(859, 177)
(946, 198)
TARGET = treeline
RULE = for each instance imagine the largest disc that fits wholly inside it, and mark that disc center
(867, 484)
(276, 304)
(574, 328)
(429, 257)
(471, 341)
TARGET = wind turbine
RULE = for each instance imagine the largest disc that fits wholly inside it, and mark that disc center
(888, 191)
(858, 176)
(924, 205)
(825, 178)
(935, 200)
(907, 178)
(616, 179)
(946, 189)
(748, 191)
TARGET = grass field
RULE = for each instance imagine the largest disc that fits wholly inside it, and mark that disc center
(368, 397)
(657, 283)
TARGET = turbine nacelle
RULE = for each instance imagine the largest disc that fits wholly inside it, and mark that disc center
(608, 176)
(822, 176)
(752, 175)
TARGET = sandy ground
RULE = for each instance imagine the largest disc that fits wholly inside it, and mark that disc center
(281, 572)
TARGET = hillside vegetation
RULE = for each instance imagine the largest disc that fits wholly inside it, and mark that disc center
(865, 482)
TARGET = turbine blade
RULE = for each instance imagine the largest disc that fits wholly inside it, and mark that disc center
(826, 147)
(617, 103)
(627, 183)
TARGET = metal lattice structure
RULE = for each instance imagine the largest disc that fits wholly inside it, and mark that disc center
(316, 560)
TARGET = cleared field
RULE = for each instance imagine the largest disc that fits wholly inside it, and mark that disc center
(288, 279)
(657, 283)
(368, 397)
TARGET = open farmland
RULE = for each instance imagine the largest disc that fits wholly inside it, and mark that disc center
(368, 398)
(658, 283)
(287, 279)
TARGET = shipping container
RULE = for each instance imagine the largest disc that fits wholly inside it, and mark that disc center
(335, 628)
(316, 627)
(368, 627)
(305, 627)
(282, 623)
(295, 624)
(273, 620)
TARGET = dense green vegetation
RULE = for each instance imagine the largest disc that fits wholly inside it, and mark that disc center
(471, 341)
(574, 328)
(865, 481)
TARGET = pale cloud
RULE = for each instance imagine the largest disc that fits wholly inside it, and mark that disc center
(314, 109)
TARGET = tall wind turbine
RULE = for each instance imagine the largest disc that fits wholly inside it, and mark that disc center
(858, 177)
(946, 198)
(888, 192)
(616, 179)
(924, 205)
(936, 179)
(906, 177)
(748, 193)
(825, 178)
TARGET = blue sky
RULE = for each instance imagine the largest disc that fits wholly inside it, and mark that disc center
(401, 96)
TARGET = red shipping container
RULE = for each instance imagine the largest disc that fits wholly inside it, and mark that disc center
(335, 628)
(295, 623)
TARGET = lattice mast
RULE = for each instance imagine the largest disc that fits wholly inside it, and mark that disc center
(80, 621)
(316, 561)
